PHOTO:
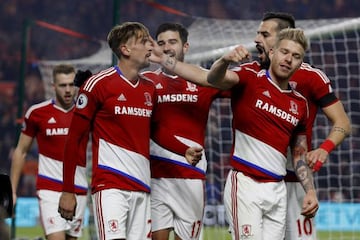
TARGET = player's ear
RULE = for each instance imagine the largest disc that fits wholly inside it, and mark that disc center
(271, 52)
(125, 50)
(186, 47)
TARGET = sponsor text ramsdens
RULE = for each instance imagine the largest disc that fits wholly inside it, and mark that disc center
(277, 112)
(134, 111)
(177, 98)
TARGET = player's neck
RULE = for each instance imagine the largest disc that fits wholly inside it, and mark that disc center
(129, 72)
(63, 105)
(282, 83)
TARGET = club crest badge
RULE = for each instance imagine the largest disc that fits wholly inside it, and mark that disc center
(113, 225)
(191, 87)
(293, 107)
(148, 101)
(246, 230)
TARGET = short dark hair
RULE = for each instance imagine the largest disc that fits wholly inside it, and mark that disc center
(176, 27)
(284, 20)
(63, 68)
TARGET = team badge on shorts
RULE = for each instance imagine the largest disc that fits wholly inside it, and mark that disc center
(113, 225)
(246, 230)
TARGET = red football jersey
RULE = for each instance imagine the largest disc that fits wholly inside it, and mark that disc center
(49, 125)
(265, 118)
(119, 114)
(315, 86)
(179, 121)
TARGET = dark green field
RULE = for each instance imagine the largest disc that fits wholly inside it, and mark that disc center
(210, 233)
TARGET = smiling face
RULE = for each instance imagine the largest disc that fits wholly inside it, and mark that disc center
(285, 58)
(171, 44)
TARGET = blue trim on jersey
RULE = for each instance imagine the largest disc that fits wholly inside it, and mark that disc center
(269, 77)
(177, 163)
(249, 164)
(118, 70)
(50, 179)
(125, 175)
(60, 182)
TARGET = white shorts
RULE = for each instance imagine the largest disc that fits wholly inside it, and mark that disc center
(254, 210)
(52, 221)
(121, 214)
(178, 204)
(297, 226)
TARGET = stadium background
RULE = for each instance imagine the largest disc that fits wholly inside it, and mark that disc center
(94, 18)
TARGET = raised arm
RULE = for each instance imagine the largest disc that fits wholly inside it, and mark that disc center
(219, 75)
(305, 176)
(190, 72)
(340, 130)
(199, 75)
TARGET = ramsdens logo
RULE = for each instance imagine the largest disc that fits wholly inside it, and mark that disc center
(277, 112)
(134, 111)
(177, 98)
(57, 131)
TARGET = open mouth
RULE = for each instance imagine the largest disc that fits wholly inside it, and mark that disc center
(260, 49)
(67, 97)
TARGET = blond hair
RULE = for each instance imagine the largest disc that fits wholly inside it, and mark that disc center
(294, 34)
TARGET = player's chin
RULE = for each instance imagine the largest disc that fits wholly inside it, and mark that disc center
(261, 57)
(68, 100)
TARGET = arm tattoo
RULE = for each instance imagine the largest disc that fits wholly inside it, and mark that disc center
(302, 170)
(340, 129)
(170, 63)
(299, 146)
(304, 174)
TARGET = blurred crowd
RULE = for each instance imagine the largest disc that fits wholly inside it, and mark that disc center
(94, 18)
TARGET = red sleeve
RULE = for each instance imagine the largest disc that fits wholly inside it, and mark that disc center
(173, 145)
(74, 150)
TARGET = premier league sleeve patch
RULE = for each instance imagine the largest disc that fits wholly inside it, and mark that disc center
(82, 101)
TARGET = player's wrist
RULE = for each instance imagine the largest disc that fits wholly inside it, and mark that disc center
(169, 62)
(328, 145)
